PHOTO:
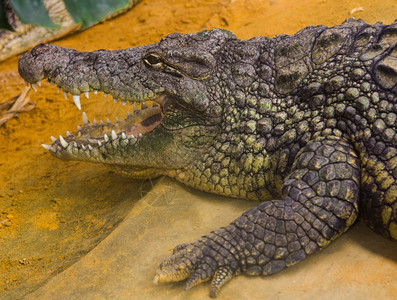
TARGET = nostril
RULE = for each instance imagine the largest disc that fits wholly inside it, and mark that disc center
(40, 49)
(29, 69)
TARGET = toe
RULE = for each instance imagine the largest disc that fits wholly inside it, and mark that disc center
(222, 276)
(176, 272)
(199, 276)
(179, 247)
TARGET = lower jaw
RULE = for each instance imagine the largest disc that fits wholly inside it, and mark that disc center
(92, 138)
(148, 173)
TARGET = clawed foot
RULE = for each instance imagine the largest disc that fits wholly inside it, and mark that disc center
(208, 258)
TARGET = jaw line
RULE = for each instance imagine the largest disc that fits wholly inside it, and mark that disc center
(137, 172)
(93, 136)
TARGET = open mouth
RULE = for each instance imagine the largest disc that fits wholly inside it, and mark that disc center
(96, 136)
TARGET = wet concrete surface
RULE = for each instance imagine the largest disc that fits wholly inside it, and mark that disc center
(360, 265)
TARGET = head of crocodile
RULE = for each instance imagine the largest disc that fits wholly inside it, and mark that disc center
(175, 75)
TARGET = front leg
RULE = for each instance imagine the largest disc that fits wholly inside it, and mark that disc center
(320, 202)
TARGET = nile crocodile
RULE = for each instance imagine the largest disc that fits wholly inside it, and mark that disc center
(304, 123)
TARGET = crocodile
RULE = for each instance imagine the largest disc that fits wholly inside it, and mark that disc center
(305, 124)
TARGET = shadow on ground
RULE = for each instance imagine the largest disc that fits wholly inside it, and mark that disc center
(62, 221)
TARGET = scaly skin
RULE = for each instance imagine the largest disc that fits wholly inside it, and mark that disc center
(306, 122)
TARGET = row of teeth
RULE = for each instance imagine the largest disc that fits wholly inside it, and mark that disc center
(76, 98)
(106, 138)
(112, 137)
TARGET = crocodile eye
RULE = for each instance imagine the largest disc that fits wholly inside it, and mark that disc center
(153, 60)
(156, 62)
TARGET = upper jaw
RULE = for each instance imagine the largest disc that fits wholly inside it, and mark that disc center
(119, 73)
(145, 97)
(134, 99)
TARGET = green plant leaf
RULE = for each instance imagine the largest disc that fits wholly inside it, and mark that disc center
(89, 12)
(32, 12)
(3, 18)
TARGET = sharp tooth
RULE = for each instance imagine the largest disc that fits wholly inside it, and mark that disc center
(63, 142)
(99, 144)
(102, 122)
(117, 120)
(33, 85)
(89, 147)
(105, 137)
(105, 94)
(140, 135)
(108, 121)
(58, 89)
(135, 107)
(48, 147)
(76, 99)
(132, 136)
(123, 103)
(114, 135)
(39, 83)
(95, 122)
(123, 136)
(115, 100)
(78, 128)
(82, 146)
(87, 95)
(144, 105)
(85, 119)
(65, 95)
(68, 133)
(95, 92)
(52, 84)
(53, 139)
(75, 144)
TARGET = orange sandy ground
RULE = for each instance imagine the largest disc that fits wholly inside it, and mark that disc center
(51, 212)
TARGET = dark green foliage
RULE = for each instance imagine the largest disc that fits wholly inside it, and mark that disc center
(89, 12)
(86, 12)
(32, 12)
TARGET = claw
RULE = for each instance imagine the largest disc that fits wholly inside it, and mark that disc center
(198, 262)
(179, 247)
(198, 277)
(170, 260)
(222, 276)
(156, 279)
(172, 274)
